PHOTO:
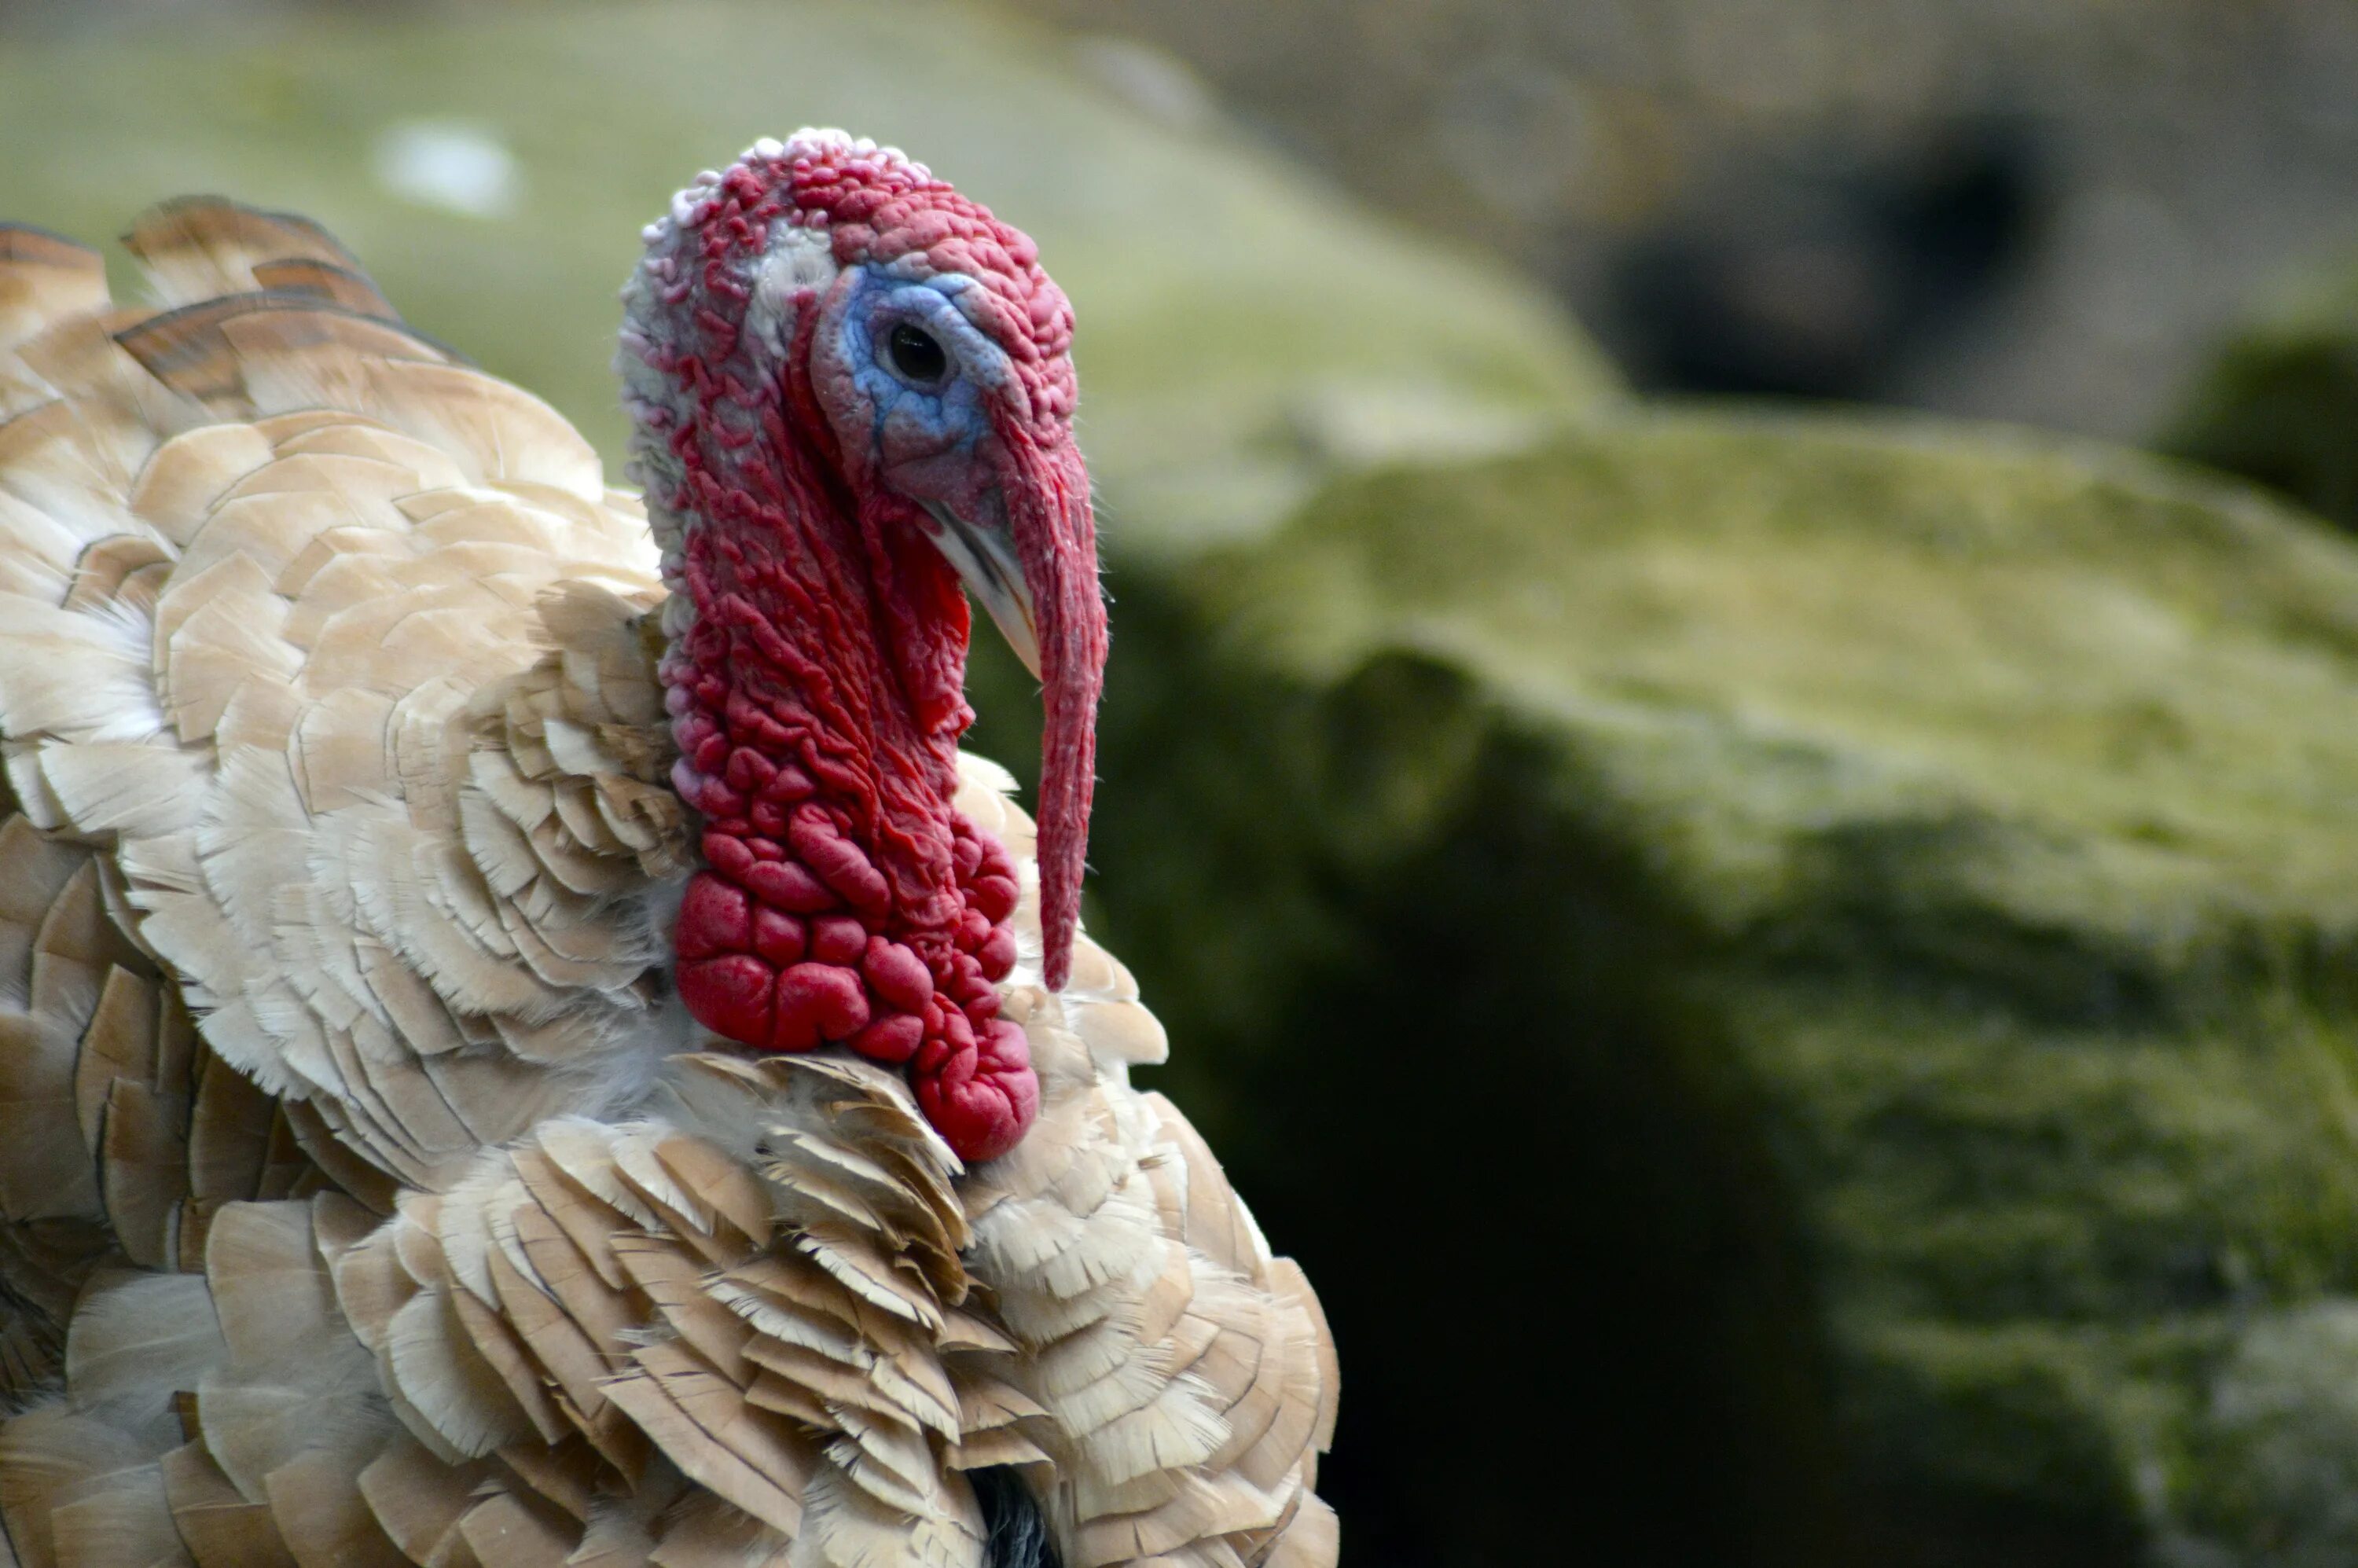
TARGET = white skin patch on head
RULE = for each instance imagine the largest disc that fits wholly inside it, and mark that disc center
(798, 258)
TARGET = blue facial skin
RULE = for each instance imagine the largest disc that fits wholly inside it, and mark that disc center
(914, 421)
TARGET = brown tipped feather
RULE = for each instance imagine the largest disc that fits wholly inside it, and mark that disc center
(192, 350)
(336, 285)
(27, 244)
(198, 247)
(43, 278)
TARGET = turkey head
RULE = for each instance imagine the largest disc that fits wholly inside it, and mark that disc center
(853, 392)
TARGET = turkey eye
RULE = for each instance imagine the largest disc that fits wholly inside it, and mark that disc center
(916, 355)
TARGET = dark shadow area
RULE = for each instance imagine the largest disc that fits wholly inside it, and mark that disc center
(2277, 404)
(1825, 271)
(1435, 1052)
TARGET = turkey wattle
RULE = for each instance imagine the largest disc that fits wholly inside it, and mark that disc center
(851, 387)
(522, 1040)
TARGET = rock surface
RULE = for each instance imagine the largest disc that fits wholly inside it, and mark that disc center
(1816, 962)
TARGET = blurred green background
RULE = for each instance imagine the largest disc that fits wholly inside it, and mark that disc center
(1789, 965)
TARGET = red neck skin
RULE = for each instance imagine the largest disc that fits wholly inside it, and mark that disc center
(817, 701)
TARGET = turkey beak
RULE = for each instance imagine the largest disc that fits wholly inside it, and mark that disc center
(986, 559)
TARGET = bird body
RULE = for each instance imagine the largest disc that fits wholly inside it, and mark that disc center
(522, 1040)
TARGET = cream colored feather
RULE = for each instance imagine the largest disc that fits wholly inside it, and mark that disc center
(361, 1201)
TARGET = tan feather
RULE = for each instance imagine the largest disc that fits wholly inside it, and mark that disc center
(447, 1379)
(568, 1473)
(50, 1458)
(45, 277)
(703, 1531)
(221, 1528)
(558, 1344)
(321, 1513)
(506, 1531)
(416, 1499)
(699, 1418)
(229, 1132)
(502, 1350)
(1294, 1286)
(135, 1343)
(45, 1172)
(119, 1041)
(326, 280)
(122, 1520)
(195, 247)
(1314, 1539)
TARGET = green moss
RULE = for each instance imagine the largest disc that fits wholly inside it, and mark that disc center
(2032, 636)
(2280, 397)
(2279, 1439)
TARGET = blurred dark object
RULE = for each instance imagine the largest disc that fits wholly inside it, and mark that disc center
(2279, 401)
(2183, 147)
(1808, 273)
(2177, 150)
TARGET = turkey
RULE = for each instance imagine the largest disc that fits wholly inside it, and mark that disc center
(522, 1039)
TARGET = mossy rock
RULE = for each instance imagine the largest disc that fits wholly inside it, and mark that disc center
(1244, 332)
(2279, 400)
(1811, 963)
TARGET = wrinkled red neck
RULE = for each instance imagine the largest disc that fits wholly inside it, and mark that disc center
(818, 702)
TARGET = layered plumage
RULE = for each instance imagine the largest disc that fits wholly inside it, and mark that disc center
(366, 1195)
